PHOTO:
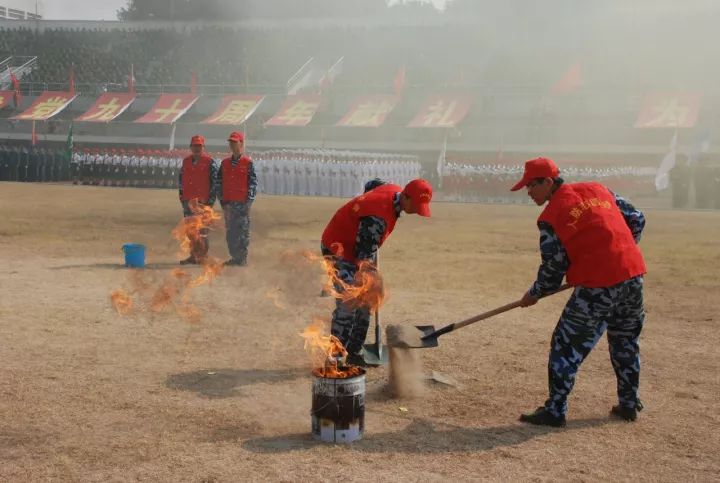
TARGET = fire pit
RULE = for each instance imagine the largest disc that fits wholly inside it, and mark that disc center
(338, 406)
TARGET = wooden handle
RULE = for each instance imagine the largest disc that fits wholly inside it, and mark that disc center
(502, 309)
(485, 315)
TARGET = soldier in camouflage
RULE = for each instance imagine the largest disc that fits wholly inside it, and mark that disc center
(583, 222)
(355, 233)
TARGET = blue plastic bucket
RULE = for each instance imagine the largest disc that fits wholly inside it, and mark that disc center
(134, 255)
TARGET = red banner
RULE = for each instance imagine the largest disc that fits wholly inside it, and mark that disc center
(6, 99)
(107, 107)
(669, 109)
(369, 111)
(235, 110)
(46, 106)
(443, 110)
(297, 110)
(169, 108)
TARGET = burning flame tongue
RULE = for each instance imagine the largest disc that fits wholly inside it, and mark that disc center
(190, 230)
(365, 290)
(325, 351)
(122, 301)
(174, 290)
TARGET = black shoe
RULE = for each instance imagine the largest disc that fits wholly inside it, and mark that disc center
(355, 360)
(235, 262)
(628, 414)
(189, 261)
(543, 417)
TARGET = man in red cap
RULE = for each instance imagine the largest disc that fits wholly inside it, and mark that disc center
(588, 235)
(354, 234)
(197, 182)
(237, 185)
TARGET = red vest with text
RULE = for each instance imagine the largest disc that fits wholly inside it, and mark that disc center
(339, 235)
(597, 240)
(235, 179)
(196, 178)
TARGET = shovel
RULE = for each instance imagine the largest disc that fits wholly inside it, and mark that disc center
(376, 354)
(428, 336)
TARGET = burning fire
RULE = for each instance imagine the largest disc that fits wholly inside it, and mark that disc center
(174, 290)
(121, 301)
(366, 290)
(324, 351)
(190, 230)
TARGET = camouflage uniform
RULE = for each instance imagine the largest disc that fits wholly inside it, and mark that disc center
(237, 216)
(588, 313)
(350, 324)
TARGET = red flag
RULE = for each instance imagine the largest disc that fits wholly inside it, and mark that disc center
(193, 83)
(571, 80)
(72, 79)
(399, 83)
(33, 137)
(131, 80)
(17, 96)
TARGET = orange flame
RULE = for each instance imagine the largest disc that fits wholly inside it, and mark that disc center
(324, 352)
(174, 291)
(275, 297)
(121, 301)
(366, 290)
(192, 229)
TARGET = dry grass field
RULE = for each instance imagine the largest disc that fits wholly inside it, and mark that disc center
(89, 395)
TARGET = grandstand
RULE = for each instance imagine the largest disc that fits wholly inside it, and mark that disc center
(528, 88)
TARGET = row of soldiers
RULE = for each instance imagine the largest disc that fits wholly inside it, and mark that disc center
(489, 183)
(308, 172)
(37, 164)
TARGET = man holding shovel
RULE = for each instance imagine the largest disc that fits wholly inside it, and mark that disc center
(589, 235)
(352, 237)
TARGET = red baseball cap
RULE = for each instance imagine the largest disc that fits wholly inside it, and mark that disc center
(197, 140)
(420, 193)
(537, 168)
(236, 137)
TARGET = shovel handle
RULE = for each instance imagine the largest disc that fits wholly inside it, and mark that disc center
(485, 315)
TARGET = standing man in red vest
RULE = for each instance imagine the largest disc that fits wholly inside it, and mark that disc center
(354, 234)
(237, 185)
(197, 182)
(588, 235)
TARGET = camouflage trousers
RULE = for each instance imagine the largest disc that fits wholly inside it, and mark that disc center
(237, 225)
(349, 324)
(199, 246)
(590, 312)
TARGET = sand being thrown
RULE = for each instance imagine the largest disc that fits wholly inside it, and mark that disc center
(406, 379)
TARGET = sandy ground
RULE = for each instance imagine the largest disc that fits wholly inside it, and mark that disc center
(89, 395)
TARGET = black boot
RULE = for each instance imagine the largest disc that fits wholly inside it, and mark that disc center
(189, 261)
(628, 414)
(543, 417)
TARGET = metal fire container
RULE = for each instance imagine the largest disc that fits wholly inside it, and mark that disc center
(338, 409)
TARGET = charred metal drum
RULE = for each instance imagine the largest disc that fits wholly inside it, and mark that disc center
(338, 409)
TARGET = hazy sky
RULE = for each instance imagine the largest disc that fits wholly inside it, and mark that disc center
(101, 9)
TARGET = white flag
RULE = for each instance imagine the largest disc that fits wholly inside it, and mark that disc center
(172, 137)
(441, 160)
(662, 178)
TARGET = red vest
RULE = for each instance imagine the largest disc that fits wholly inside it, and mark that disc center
(592, 229)
(339, 235)
(235, 179)
(196, 178)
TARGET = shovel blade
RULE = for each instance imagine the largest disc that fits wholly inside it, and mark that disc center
(422, 341)
(371, 356)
